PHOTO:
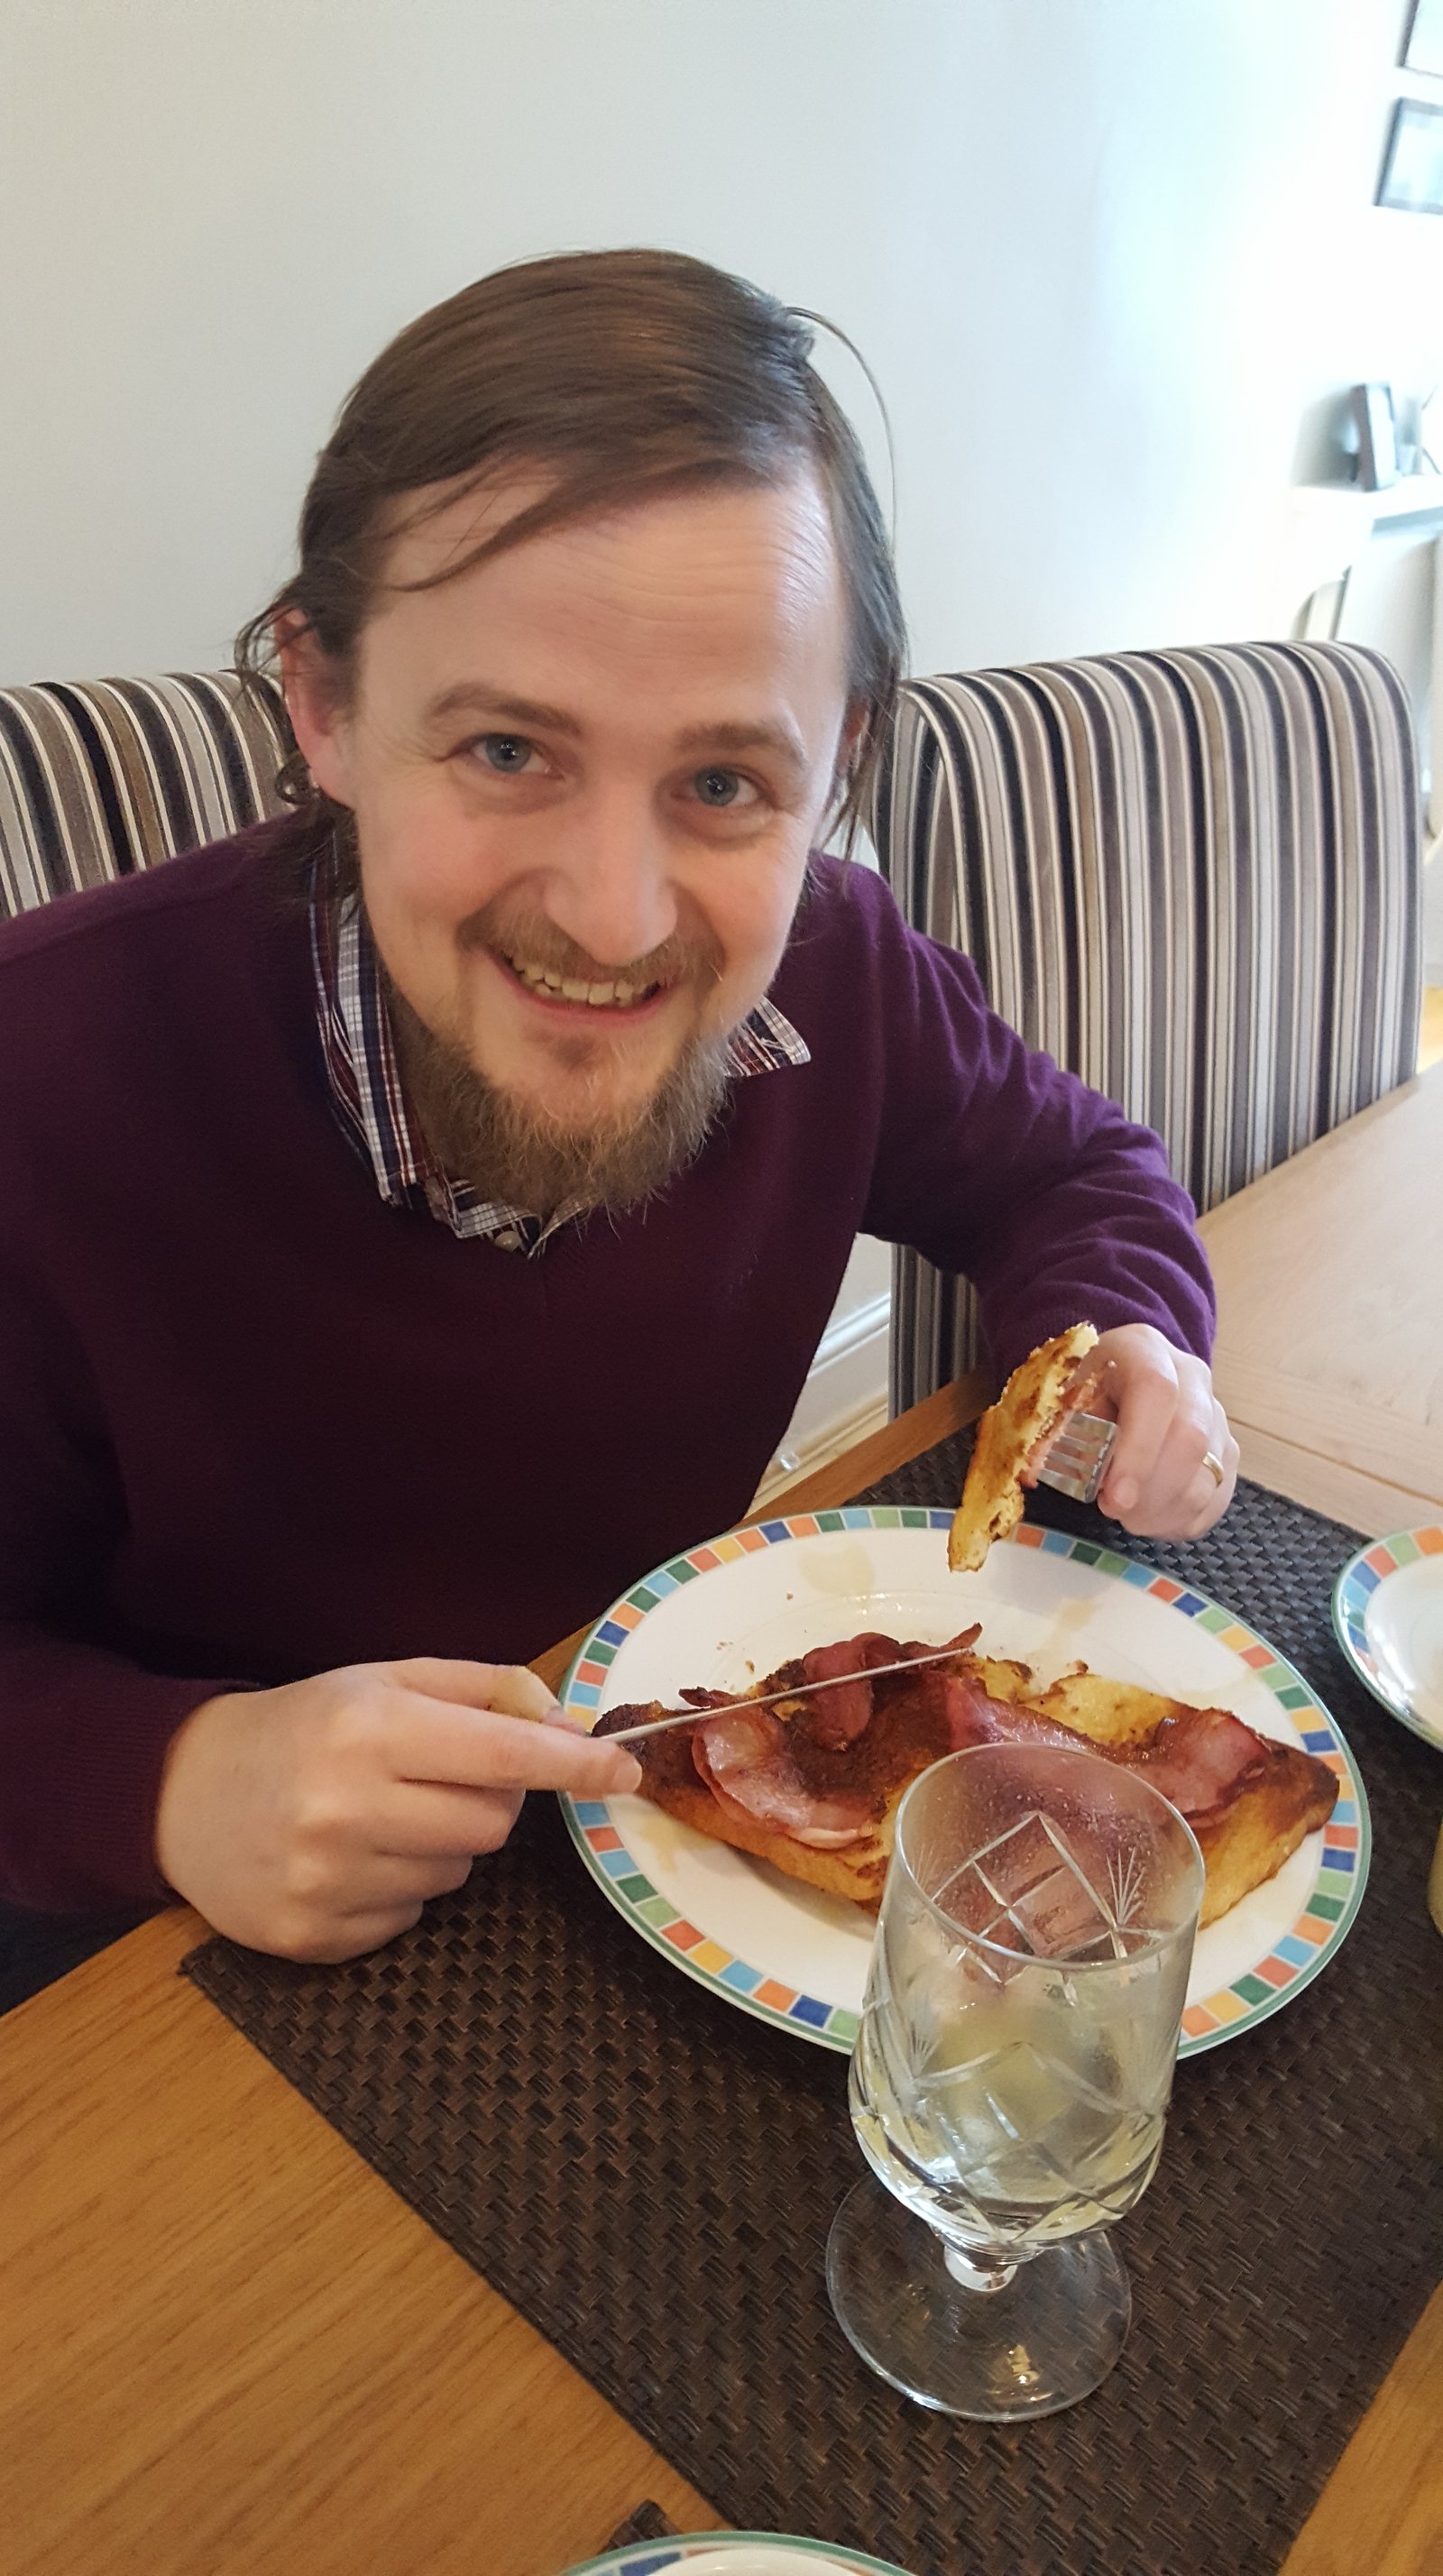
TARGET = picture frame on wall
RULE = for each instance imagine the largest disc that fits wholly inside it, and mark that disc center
(1371, 408)
(1423, 44)
(1412, 179)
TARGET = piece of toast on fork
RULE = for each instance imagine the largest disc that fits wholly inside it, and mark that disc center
(1012, 1438)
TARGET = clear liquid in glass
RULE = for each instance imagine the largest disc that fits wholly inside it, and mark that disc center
(1011, 2077)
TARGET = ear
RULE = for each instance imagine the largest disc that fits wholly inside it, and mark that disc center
(853, 726)
(314, 705)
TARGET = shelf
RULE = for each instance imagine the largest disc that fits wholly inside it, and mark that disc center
(1412, 496)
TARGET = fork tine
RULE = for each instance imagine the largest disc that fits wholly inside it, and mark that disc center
(1076, 1460)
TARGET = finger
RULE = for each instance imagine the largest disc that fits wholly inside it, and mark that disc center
(1146, 1396)
(1206, 1496)
(1182, 1472)
(519, 1693)
(1213, 1493)
(431, 1821)
(508, 1687)
(414, 1875)
(328, 1939)
(476, 1749)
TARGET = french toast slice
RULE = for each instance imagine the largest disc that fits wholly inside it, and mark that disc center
(1245, 1833)
(1246, 1837)
(857, 1873)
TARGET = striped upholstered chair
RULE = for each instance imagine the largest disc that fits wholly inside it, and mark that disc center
(101, 777)
(1193, 877)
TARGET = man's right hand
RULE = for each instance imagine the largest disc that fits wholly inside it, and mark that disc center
(315, 1820)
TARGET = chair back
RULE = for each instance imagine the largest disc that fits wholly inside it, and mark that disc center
(1192, 877)
(101, 777)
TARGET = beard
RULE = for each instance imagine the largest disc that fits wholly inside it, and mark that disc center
(505, 1148)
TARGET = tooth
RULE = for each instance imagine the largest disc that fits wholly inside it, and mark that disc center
(544, 979)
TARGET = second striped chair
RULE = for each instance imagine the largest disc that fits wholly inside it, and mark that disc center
(1192, 877)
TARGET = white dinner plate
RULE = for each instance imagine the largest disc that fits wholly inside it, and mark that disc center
(1388, 1617)
(726, 1613)
(736, 2553)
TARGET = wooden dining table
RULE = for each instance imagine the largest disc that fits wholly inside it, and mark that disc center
(1329, 1273)
(229, 2349)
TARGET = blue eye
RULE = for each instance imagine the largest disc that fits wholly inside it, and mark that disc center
(717, 787)
(508, 752)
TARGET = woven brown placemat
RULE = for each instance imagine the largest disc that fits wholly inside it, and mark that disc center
(649, 2176)
(647, 2523)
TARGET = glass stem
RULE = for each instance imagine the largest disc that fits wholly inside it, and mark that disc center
(977, 2270)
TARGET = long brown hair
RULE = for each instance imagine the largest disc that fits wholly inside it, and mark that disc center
(629, 374)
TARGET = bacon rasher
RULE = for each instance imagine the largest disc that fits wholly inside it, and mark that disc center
(813, 1784)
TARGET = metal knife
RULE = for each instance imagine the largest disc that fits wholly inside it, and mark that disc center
(799, 1690)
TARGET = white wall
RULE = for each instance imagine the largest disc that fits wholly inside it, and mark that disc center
(1104, 256)
(1110, 259)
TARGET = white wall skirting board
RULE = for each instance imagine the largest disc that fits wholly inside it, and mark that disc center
(844, 1398)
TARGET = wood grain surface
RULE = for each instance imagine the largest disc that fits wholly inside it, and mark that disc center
(229, 2347)
(1330, 1316)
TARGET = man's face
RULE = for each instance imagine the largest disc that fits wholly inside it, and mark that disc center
(586, 775)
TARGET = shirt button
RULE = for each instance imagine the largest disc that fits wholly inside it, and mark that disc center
(509, 1239)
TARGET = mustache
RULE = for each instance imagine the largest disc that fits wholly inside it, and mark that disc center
(685, 958)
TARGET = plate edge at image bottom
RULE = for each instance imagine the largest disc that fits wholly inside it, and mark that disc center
(691, 2552)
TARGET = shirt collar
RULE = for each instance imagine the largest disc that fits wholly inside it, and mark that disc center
(359, 1050)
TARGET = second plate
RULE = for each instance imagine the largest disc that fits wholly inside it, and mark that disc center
(1388, 1619)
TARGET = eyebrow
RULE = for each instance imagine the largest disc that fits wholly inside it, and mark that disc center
(474, 698)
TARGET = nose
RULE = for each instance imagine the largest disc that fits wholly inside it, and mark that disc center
(610, 885)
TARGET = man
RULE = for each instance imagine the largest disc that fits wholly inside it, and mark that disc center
(420, 1215)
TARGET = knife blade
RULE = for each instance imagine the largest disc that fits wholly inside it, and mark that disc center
(799, 1690)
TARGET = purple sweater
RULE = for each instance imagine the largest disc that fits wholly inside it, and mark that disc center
(255, 1424)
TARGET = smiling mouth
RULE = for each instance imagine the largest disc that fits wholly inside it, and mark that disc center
(614, 993)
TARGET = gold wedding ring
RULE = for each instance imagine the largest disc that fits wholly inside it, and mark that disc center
(1216, 1465)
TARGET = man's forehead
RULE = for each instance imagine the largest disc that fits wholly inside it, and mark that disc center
(438, 527)
(716, 618)
(437, 536)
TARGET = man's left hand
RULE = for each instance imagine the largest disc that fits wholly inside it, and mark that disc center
(1174, 1462)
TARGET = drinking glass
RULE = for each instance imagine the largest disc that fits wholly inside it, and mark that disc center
(1011, 2075)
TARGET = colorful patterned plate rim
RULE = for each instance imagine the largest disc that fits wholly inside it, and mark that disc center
(1388, 1619)
(693, 2549)
(797, 1959)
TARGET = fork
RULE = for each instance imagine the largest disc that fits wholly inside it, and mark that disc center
(1076, 1458)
